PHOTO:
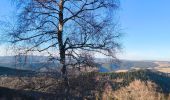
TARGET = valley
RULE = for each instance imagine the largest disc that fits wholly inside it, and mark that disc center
(115, 80)
(87, 85)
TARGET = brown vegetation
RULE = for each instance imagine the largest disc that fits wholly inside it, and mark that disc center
(90, 86)
(138, 90)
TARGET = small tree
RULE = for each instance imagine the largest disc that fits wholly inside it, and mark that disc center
(70, 27)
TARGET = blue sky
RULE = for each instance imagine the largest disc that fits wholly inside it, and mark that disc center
(146, 24)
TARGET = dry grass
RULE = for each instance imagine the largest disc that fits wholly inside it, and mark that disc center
(89, 87)
(42, 84)
(163, 69)
(162, 64)
(136, 90)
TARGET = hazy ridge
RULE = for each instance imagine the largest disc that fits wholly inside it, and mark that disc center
(42, 63)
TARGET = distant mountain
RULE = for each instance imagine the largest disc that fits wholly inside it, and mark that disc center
(27, 62)
(5, 71)
(42, 63)
(126, 65)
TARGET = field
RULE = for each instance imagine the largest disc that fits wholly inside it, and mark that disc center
(163, 67)
(160, 66)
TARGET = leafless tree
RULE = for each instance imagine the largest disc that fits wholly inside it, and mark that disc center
(70, 27)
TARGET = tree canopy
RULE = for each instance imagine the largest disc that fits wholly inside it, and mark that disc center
(71, 28)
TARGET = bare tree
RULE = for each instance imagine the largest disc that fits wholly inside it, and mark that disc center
(70, 27)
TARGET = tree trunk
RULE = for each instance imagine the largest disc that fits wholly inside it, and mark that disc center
(62, 51)
(65, 75)
(66, 83)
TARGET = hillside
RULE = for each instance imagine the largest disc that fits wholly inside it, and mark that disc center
(11, 72)
(126, 65)
(41, 63)
(12, 94)
(93, 85)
